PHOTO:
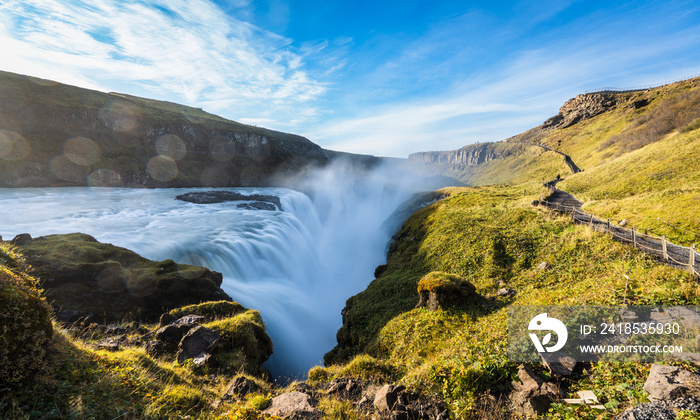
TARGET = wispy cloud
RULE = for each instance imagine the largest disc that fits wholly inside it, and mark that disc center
(186, 48)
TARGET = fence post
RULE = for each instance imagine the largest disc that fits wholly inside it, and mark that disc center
(590, 222)
(634, 238)
(608, 226)
(573, 214)
(691, 260)
(663, 248)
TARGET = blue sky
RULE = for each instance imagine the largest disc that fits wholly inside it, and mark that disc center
(386, 78)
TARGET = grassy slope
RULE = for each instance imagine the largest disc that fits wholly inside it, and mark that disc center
(639, 164)
(484, 235)
(75, 380)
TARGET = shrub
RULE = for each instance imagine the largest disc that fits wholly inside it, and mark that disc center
(25, 321)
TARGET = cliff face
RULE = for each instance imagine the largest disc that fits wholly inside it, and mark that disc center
(57, 135)
(580, 108)
(471, 155)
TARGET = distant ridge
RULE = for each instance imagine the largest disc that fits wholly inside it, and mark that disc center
(52, 134)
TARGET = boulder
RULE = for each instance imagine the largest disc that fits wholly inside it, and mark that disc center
(198, 340)
(294, 405)
(666, 383)
(532, 396)
(239, 387)
(387, 397)
(188, 321)
(506, 292)
(22, 239)
(439, 290)
(170, 335)
(558, 364)
(166, 319)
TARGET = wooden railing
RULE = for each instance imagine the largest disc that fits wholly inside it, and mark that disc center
(667, 252)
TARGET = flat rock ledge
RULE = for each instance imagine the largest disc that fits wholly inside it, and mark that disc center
(253, 201)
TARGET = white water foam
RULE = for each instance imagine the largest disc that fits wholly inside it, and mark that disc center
(297, 266)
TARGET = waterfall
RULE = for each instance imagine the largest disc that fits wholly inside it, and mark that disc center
(297, 266)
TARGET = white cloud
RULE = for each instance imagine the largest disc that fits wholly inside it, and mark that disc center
(183, 49)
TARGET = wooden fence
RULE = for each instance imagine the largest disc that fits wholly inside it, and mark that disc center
(667, 252)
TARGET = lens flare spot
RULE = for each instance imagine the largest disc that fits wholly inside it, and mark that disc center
(105, 178)
(162, 168)
(222, 149)
(67, 170)
(13, 146)
(82, 151)
(112, 279)
(171, 146)
(119, 116)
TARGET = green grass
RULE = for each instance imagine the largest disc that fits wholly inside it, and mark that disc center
(484, 235)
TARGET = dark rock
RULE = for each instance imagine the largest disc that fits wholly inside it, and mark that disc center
(648, 411)
(170, 335)
(199, 339)
(166, 319)
(22, 239)
(294, 405)
(670, 383)
(211, 197)
(154, 347)
(559, 364)
(257, 205)
(387, 397)
(108, 344)
(115, 330)
(532, 396)
(239, 387)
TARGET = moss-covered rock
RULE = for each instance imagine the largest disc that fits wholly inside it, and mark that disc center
(25, 322)
(210, 310)
(114, 283)
(439, 290)
(244, 345)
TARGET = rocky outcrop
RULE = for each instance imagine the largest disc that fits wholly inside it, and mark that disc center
(438, 290)
(257, 201)
(666, 383)
(474, 154)
(532, 396)
(294, 405)
(580, 108)
(107, 283)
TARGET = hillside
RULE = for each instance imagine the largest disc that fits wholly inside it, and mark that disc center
(636, 150)
(53, 134)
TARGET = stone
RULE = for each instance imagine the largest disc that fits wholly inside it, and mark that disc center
(532, 396)
(240, 387)
(199, 339)
(170, 335)
(666, 383)
(203, 359)
(154, 347)
(559, 364)
(22, 239)
(188, 321)
(294, 405)
(542, 266)
(647, 411)
(166, 319)
(387, 397)
(108, 344)
(623, 222)
(506, 292)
